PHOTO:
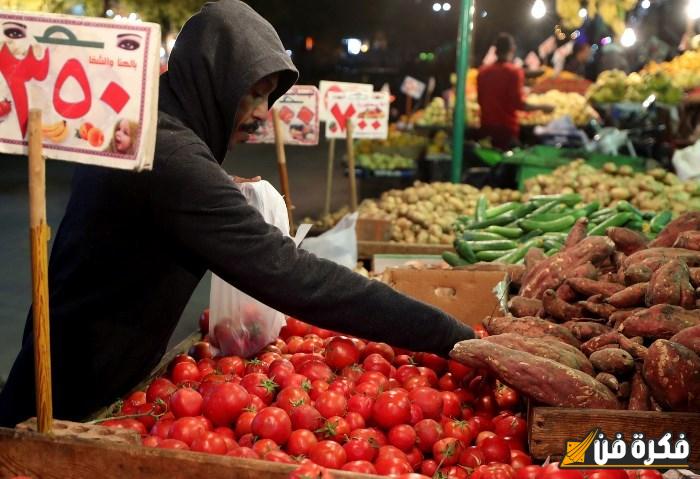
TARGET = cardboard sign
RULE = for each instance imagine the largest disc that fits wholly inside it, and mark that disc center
(369, 113)
(298, 111)
(412, 87)
(327, 87)
(95, 81)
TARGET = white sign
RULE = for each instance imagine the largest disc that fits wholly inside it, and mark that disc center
(327, 87)
(412, 87)
(298, 112)
(95, 81)
(368, 112)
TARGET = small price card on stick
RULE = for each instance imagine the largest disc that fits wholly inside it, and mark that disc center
(298, 112)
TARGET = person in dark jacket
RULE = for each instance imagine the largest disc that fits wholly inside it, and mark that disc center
(132, 247)
(577, 61)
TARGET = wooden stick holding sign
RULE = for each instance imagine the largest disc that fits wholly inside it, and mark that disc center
(409, 105)
(39, 238)
(329, 176)
(282, 166)
(349, 129)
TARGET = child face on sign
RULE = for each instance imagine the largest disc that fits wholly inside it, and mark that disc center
(122, 136)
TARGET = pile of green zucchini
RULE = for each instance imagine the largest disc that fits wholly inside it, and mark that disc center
(506, 232)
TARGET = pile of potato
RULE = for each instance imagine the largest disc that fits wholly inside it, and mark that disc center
(425, 212)
(654, 190)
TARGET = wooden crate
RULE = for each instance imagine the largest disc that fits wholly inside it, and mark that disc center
(551, 427)
(373, 237)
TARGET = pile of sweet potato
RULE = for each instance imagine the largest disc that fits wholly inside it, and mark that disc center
(609, 322)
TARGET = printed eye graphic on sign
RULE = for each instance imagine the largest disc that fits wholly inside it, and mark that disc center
(128, 41)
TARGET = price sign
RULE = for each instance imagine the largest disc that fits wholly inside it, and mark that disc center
(326, 88)
(299, 114)
(95, 81)
(412, 87)
(369, 113)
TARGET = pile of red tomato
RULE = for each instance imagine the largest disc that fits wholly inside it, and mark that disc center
(318, 398)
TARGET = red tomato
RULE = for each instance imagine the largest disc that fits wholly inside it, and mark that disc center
(231, 365)
(528, 472)
(432, 361)
(316, 369)
(279, 456)
(461, 372)
(403, 360)
(606, 474)
(185, 371)
(552, 471)
(415, 458)
(272, 423)
(298, 381)
(186, 402)
(244, 424)
(328, 454)
(391, 409)
(392, 466)
(132, 424)
(361, 467)
(493, 471)
(352, 372)
(506, 397)
(211, 443)
(359, 449)
(172, 444)
(137, 398)
(376, 362)
(260, 385)
(263, 446)
(465, 397)
(383, 349)
(480, 424)
(513, 426)
(451, 406)
(414, 382)
(644, 474)
(312, 344)
(341, 352)
(225, 403)
(294, 344)
(406, 371)
(416, 414)
(253, 366)
(280, 370)
(403, 437)
(162, 428)
(300, 442)
(322, 333)
(429, 400)
(309, 470)
(454, 472)
(204, 322)
(447, 451)
(459, 430)
(495, 450)
(245, 452)
(429, 374)
(150, 441)
(374, 436)
(256, 404)
(428, 467)
(289, 398)
(361, 404)
(246, 440)
(447, 382)
(225, 432)
(160, 388)
(472, 457)
(181, 358)
(486, 405)
(355, 420)
(519, 459)
(515, 443)
(187, 429)
(428, 432)
(369, 389)
(374, 377)
(306, 417)
(331, 403)
(204, 421)
(335, 428)
(318, 387)
(294, 327)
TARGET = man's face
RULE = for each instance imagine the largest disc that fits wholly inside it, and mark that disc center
(252, 110)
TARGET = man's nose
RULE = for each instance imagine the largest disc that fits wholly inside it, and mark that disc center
(260, 112)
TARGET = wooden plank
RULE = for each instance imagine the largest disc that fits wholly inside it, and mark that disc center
(367, 249)
(371, 229)
(47, 457)
(92, 432)
(551, 427)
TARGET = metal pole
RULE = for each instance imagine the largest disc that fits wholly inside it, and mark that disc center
(465, 19)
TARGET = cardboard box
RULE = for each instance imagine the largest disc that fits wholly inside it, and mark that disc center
(468, 296)
(382, 262)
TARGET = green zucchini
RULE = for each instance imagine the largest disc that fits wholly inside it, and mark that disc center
(619, 219)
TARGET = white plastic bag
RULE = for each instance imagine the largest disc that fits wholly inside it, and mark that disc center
(338, 245)
(687, 162)
(238, 324)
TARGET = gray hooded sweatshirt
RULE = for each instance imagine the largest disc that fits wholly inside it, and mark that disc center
(132, 247)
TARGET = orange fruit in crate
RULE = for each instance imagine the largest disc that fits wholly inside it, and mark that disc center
(85, 129)
(95, 137)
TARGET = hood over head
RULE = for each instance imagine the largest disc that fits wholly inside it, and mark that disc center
(220, 53)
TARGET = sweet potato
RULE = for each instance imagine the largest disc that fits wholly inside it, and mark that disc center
(533, 257)
(634, 348)
(529, 327)
(672, 372)
(548, 274)
(586, 270)
(542, 379)
(619, 259)
(670, 284)
(520, 307)
(662, 321)
(629, 297)
(626, 240)
(598, 309)
(558, 309)
(597, 343)
(588, 287)
(619, 316)
(668, 236)
(637, 273)
(639, 392)
(695, 277)
(653, 257)
(566, 293)
(689, 337)
(688, 240)
(609, 380)
(623, 393)
(585, 330)
(612, 360)
(577, 233)
(545, 348)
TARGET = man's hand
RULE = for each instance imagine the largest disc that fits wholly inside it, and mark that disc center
(238, 179)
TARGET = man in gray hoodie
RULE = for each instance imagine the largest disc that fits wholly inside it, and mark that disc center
(132, 247)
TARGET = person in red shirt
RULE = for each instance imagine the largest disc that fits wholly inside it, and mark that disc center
(500, 89)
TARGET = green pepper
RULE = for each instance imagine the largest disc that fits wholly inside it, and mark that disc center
(481, 236)
(571, 199)
(518, 254)
(493, 245)
(465, 251)
(481, 205)
(502, 209)
(531, 235)
(492, 255)
(660, 221)
(561, 224)
(454, 259)
(512, 233)
(617, 220)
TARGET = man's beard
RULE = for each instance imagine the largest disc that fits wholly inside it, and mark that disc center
(250, 127)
